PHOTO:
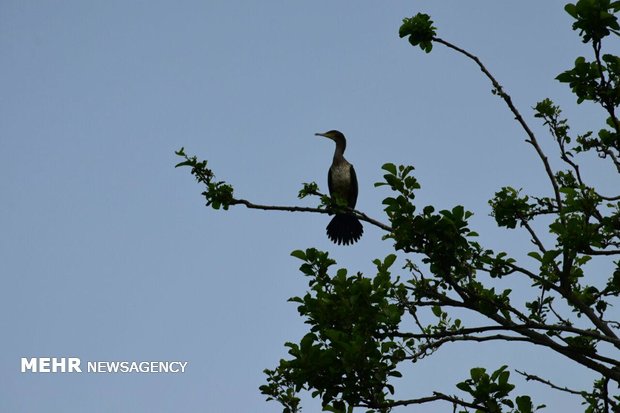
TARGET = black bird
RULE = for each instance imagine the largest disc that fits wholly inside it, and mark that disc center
(344, 228)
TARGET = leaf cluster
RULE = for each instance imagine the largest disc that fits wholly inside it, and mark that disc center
(491, 391)
(218, 194)
(420, 31)
(347, 357)
(594, 19)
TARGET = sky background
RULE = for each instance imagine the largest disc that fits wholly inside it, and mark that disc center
(107, 251)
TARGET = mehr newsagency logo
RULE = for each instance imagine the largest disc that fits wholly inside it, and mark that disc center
(75, 365)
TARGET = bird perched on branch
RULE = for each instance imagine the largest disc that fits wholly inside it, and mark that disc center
(344, 228)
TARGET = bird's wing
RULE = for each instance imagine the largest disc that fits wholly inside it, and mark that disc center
(330, 184)
(353, 192)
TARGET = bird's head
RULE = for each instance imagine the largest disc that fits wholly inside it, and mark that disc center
(336, 136)
(332, 134)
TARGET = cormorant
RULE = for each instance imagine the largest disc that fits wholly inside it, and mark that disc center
(344, 228)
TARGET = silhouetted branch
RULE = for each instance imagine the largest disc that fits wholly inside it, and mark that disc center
(610, 198)
(433, 345)
(360, 215)
(529, 377)
(435, 397)
(602, 252)
(604, 396)
(515, 328)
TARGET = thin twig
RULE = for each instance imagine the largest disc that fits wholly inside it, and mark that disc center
(582, 393)
(558, 316)
(535, 238)
(529, 377)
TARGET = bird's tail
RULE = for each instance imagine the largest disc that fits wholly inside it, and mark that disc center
(344, 229)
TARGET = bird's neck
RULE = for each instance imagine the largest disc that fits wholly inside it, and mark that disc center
(339, 152)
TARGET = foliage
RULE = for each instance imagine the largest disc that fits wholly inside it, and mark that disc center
(218, 194)
(420, 30)
(349, 353)
(360, 327)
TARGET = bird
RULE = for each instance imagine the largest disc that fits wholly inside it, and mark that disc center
(344, 228)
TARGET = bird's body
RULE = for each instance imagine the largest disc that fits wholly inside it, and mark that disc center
(344, 228)
(340, 179)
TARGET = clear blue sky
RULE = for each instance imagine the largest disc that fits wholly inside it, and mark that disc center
(107, 251)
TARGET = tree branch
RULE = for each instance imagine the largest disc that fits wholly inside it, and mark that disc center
(515, 328)
(602, 252)
(360, 215)
(533, 234)
(572, 353)
(500, 91)
(573, 299)
(529, 377)
(533, 377)
(435, 397)
(423, 348)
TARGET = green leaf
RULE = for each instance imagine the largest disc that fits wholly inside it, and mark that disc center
(535, 255)
(299, 254)
(389, 167)
(524, 404)
(389, 260)
(184, 163)
(464, 386)
(477, 372)
(497, 372)
(571, 9)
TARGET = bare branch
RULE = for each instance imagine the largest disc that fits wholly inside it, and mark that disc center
(602, 252)
(558, 316)
(529, 377)
(447, 303)
(435, 397)
(360, 215)
(582, 393)
(535, 238)
(449, 339)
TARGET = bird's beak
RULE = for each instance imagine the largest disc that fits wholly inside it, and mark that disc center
(321, 134)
